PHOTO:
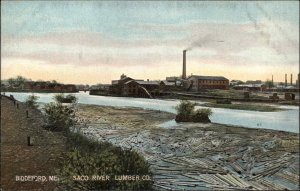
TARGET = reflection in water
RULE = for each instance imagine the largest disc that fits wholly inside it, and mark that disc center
(287, 120)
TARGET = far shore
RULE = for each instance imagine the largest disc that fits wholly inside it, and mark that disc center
(244, 106)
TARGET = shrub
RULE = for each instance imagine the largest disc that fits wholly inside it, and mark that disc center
(87, 157)
(60, 98)
(202, 115)
(185, 108)
(71, 98)
(59, 117)
(186, 113)
(31, 101)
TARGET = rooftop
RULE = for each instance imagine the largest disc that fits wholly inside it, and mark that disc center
(168, 83)
(249, 85)
(209, 77)
(148, 82)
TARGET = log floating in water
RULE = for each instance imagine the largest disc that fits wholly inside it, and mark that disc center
(164, 187)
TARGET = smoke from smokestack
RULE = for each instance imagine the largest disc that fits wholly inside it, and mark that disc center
(200, 42)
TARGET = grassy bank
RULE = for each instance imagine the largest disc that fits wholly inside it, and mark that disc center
(57, 151)
(89, 158)
(243, 106)
(92, 159)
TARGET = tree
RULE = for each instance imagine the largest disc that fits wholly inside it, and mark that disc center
(269, 84)
(11, 82)
(123, 76)
(20, 81)
(31, 101)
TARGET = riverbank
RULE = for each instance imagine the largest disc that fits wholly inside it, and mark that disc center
(212, 98)
(19, 159)
(244, 106)
(198, 156)
(49, 161)
(38, 91)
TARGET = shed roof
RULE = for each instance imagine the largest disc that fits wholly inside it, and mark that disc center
(167, 83)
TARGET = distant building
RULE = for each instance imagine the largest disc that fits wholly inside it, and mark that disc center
(208, 82)
(82, 87)
(48, 86)
(70, 88)
(250, 87)
(172, 79)
(253, 82)
(167, 85)
(297, 81)
(140, 88)
(104, 87)
(235, 82)
(149, 85)
(117, 86)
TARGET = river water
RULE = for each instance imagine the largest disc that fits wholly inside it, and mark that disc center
(287, 120)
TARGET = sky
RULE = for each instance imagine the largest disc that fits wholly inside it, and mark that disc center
(89, 42)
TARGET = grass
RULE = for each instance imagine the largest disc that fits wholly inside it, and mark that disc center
(89, 157)
(250, 107)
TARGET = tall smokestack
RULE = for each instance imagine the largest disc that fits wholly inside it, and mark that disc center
(184, 65)
(285, 80)
(291, 79)
(272, 79)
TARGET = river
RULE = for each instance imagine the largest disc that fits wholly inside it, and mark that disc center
(286, 120)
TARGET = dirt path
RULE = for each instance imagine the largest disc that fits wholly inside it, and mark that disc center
(19, 159)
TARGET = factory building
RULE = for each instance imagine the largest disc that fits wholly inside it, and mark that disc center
(208, 82)
(140, 88)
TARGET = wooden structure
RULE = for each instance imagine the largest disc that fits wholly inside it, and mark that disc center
(140, 88)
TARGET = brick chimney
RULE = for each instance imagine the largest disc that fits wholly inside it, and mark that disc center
(184, 65)
(285, 80)
(272, 80)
